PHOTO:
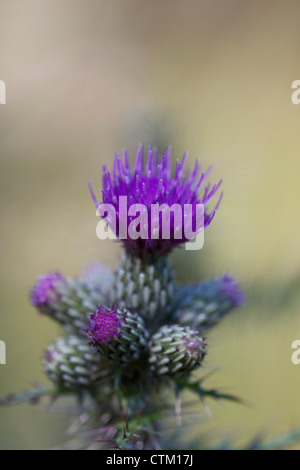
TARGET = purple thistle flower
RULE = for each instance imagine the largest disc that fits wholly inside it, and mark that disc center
(104, 326)
(44, 290)
(152, 184)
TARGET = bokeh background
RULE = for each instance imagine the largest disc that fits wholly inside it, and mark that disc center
(85, 78)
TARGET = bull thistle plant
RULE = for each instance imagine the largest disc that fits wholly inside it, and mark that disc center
(132, 339)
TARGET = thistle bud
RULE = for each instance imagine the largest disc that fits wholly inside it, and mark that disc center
(145, 288)
(69, 301)
(45, 292)
(119, 335)
(175, 351)
(71, 364)
(203, 305)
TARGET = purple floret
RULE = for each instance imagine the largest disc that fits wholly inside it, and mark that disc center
(104, 326)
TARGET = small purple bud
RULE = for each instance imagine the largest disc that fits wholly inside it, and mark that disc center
(104, 326)
(44, 290)
(119, 335)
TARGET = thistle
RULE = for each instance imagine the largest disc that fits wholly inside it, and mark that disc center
(203, 305)
(71, 364)
(136, 329)
(176, 351)
(119, 335)
(70, 301)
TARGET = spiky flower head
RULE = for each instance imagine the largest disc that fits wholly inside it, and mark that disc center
(147, 288)
(119, 335)
(203, 305)
(152, 185)
(70, 301)
(176, 350)
(71, 364)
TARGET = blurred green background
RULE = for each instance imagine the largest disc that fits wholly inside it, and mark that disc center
(85, 78)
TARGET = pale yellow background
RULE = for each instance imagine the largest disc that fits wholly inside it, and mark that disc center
(85, 78)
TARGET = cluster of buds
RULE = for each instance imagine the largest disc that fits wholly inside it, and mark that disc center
(136, 323)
